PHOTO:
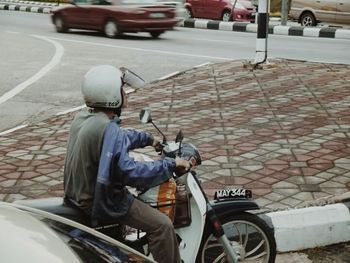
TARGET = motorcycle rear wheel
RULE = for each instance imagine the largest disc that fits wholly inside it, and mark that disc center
(249, 232)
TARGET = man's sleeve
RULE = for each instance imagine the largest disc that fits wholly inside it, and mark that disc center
(138, 139)
(141, 174)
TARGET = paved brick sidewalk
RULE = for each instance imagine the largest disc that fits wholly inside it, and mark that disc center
(283, 132)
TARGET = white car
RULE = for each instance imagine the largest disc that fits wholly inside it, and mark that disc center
(310, 12)
(31, 235)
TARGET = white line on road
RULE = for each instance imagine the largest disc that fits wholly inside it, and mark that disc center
(169, 75)
(13, 129)
(202, 65)
(12, 32)
(140, 49)
(71, 110)
(54, 61)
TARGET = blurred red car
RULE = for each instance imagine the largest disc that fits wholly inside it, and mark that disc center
(244, 10)
(115, 17)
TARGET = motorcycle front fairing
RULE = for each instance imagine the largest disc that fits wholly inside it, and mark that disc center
(191, 235)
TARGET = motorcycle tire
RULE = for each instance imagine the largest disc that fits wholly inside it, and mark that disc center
(247, 232)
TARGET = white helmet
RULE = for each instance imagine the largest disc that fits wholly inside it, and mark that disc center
(102, 87)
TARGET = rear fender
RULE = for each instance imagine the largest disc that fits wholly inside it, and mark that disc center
(224, 207)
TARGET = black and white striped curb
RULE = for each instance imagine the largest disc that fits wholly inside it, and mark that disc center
(31, 2)
(325, 32)
(26, 8)
(311, 227)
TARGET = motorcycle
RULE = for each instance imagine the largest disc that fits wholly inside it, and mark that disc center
(222, 230)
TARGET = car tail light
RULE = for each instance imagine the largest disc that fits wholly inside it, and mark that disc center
(140, 12)
(157, 15)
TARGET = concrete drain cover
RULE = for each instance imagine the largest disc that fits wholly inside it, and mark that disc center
(310, 188)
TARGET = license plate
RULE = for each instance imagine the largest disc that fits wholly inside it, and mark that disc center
(156, 15)
(232, 193)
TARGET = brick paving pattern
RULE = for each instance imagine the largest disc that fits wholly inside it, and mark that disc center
(282, 131)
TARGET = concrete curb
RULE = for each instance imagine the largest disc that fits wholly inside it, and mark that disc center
(325, 32)
(52, 4)
(26, 8)
(311, 227)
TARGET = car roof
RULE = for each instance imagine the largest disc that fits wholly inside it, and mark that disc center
(24, 238)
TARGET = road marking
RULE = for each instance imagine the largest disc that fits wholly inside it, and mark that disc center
(13, 129)
(202, 65)
(141, 49)
(71, 110)
(12, 32)
(54, 61)
(169, 75)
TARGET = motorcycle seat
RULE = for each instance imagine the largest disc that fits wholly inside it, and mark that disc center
(57, 206)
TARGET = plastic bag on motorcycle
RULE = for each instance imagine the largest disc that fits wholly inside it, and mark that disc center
(162, 197)
(171, 197)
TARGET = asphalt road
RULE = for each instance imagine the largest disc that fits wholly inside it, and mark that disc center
(42, 70)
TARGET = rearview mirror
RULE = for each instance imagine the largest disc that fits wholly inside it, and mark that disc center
(132, 79)
(179, 136)
(145, 116)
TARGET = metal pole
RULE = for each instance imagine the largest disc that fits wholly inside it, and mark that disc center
(284, 12)
(263, 27)
(232, 11)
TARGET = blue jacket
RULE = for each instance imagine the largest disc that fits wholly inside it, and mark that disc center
(117, 170)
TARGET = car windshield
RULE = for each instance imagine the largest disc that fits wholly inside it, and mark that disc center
(90, 248)
(239, 6)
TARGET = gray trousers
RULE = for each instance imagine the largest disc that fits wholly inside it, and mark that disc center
(162, 238)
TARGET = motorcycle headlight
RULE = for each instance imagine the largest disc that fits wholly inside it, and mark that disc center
(190, 153)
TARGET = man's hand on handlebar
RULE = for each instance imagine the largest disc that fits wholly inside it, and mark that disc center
(181, 163)
(182, 167)
(157, 144)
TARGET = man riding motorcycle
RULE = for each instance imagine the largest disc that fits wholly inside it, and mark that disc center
(98, 167)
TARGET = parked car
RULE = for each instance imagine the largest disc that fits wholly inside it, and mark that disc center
(115, 17)
(30, 235)
(244, 10)
(311, 12)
